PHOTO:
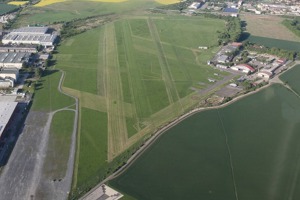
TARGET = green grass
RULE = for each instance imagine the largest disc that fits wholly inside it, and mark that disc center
(191, 160)
(6, 8)
(131, 126)
(78, 57)
(93, 145)
(69, 10)
(47, 97)
(269, 42)
(139, 27)
(57, 156)
(292, 78)
(142, 66)
(191, 33)
(294, 29)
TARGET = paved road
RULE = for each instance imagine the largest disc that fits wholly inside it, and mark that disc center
(23, 177)
(18, 175)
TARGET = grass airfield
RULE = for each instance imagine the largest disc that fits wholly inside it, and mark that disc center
(50, 11)
(132, 76)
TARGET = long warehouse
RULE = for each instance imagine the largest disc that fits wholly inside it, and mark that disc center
(6, 111)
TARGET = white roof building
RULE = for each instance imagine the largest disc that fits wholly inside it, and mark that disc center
(30, 35)
(195, 5)
(11, 73)
(7, 83)
(243, 68)
(6, 111)
(265, 74)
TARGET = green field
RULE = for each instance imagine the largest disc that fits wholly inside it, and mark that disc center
(93, 145)
(58, 151)
(269, 42)
(138, 72)
(248, 150)
(292, 78)
(48, 98)
(5, 8)
(69, 10)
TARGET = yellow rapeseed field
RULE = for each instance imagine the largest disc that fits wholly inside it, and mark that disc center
(49, 2)
(109, 1)
(17, 3)
(166, 2)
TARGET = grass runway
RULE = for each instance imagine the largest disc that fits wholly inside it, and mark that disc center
(139, 73)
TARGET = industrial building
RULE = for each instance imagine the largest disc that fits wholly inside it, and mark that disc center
(243, 68)
(265, 74)
(233, 12)
(13, 60)
(195, 5)
(7, 82)
(31, 35)
(6, 111)
(18, 49)
(223, 59)
(9, 73)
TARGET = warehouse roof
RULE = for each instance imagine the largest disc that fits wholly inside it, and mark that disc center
(11, 57)
(6, 111)
(30, 37)
(31, 30)
(9, 71)
(231, 10)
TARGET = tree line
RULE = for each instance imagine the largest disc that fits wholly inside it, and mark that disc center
(290, 55)
(293, 25)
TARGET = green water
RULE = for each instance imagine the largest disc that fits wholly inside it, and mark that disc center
(191, 160)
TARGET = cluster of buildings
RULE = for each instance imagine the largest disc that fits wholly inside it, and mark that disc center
(227, 9)
(291, 8)
(260, 66)
(232, 8)
(19, 46)
(10, 64)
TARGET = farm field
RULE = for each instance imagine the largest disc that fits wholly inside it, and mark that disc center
(224, 154)
(5, 8)
(269, 42)
(68, 10)
(47, 98)
(17, 3)
(292, 78)
(272, 27)
(43, 3)
(134, 75)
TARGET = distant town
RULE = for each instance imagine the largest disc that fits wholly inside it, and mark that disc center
(232, 8)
